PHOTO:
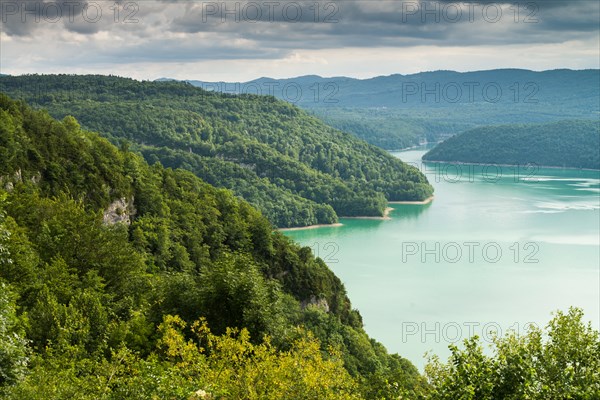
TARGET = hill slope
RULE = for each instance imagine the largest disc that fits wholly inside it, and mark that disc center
(573, 144)
(104, 260)
(295, 169)
(399, 111)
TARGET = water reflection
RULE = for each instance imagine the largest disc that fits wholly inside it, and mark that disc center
(408, 212)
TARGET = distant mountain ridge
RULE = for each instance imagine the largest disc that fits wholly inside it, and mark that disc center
(396, 90)
(399, 111)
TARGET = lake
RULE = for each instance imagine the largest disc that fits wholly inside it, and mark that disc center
(499, 248)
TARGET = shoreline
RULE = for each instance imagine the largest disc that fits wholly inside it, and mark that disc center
(385, 217)
(301, 228)
(426, 201)
(508, 165)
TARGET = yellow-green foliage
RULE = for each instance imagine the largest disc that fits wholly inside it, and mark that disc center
(231, 366)
(211, 366)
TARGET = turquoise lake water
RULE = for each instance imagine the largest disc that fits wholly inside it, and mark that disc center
(497, 249)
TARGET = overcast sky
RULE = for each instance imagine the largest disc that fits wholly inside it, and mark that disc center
(244, 40)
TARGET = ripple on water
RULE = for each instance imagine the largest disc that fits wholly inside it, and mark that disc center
(555, 206)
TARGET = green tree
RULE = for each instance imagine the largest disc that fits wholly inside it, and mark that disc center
(14, 352)
(562, 362)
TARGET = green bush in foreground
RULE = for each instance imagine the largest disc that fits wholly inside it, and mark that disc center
(560, 363)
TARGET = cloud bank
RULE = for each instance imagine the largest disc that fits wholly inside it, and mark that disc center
(237, 40)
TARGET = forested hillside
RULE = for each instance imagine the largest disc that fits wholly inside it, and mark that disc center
(291, 166)
(123, 280)
(573, 144)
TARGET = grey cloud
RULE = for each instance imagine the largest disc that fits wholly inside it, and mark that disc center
(579, 16)
(325, 23)
(384, 22)
(28, 17)
(24, 17)
(199, 36)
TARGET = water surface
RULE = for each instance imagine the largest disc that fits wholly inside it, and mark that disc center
(498, 248)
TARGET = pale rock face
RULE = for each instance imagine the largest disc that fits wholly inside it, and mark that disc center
(36, 178)
(119, 211)
(313, 301)
(8, 182)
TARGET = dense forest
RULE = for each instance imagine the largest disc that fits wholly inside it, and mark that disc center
(572, 144)
(124, 280)
(291, 166)
(399, 111)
